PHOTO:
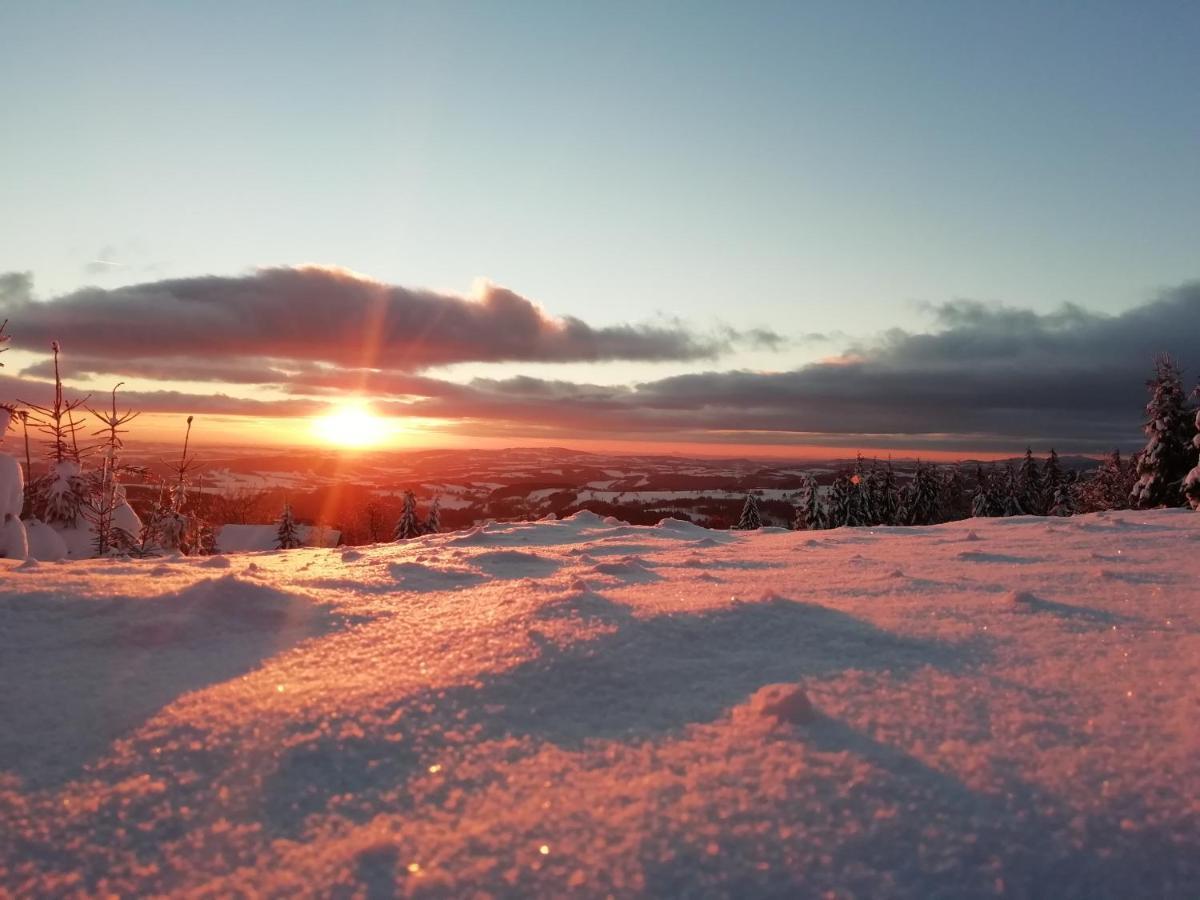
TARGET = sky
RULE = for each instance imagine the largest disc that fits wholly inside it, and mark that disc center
(753, 225)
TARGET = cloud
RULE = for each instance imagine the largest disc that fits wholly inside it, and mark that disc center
(313, 314)
(991, 377)
(983, 377)
(42, 393)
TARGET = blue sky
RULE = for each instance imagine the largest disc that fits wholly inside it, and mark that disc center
(808, 167)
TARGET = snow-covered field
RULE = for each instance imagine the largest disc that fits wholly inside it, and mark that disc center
(998, 707)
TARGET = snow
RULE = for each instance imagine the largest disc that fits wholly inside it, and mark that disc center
(45, 544)
(247, 538)
(991, 707)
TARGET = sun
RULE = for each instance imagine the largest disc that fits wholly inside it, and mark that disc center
(351, 425)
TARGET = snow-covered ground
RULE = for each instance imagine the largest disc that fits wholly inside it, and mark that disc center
(998, 707)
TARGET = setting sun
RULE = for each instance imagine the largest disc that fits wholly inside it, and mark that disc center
(353, 425)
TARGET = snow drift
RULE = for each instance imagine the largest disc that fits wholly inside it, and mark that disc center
(1003, 706)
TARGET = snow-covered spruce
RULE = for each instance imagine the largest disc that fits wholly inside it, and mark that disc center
(408, 526)
(750, 519)
(809, 516)
(1170, 427)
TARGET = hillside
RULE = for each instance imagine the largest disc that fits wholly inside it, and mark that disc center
(991, 707)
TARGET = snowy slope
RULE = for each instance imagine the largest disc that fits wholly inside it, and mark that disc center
(999, 707)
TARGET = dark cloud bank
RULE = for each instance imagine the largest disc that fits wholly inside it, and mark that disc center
(313, 314)
(985, 377)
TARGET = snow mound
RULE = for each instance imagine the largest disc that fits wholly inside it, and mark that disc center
(784, 703)
(14, 543)
(1022, 601)
(45, 544)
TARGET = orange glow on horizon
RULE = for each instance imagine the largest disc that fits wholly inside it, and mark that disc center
(414, 433)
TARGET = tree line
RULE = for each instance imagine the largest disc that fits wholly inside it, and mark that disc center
(1164, 473)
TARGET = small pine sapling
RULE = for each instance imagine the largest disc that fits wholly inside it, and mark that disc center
(108, 494)
(62, 493)
(287, 534)
(174, 530)
(433, 521)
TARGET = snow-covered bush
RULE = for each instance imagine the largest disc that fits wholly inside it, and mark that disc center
(13, 540)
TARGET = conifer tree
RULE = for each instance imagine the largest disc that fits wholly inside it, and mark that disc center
(809, 515)
(287, 535)
(875, 495)
(1108, 487)
(433, 521)
(1010, 499)
(888, 503)
(1062, 503)
(1029, 485)
(981, 499)
(408, 526)
(750, 519)
(1053, 478)
(858, 508)
(952, 503)
(859, 511)
(921, 504)
(838, 510)
(1165, 460)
